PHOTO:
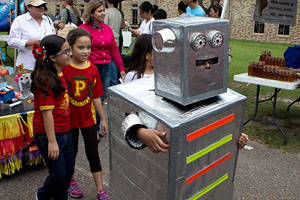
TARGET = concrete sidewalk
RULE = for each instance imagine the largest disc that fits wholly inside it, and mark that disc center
(261, 173)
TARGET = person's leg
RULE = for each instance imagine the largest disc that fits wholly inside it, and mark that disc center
(120, 42)
(73, 188)
(114, 72)
(53, 185)
(91, 150)
(104, 70)
(75, 136)
(69, 161)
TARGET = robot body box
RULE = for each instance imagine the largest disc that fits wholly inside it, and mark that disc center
(203, 139)
(190, 58)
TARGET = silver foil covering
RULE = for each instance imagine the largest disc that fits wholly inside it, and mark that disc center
(141, 174)
(181, 47)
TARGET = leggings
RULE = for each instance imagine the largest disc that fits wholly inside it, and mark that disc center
(89, 135)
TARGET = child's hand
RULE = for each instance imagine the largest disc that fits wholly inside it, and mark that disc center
(122, 74)
(104, 128)
(136, 32)
(243, 140)
(152, 139)
(53, 150)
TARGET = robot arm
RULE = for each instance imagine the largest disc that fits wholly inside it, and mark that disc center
(130, 125)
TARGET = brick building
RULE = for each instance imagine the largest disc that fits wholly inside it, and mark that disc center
(240, 14)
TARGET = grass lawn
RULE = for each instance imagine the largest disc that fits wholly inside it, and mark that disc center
(243, 52)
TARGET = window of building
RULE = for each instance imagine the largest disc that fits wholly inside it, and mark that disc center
(134, 14)
(259, 27)
(283, 29)
(81, 9)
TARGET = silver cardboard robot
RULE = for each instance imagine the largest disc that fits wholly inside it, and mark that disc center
(202, 133)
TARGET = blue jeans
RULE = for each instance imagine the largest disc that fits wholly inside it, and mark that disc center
(104, 71)
(60, 170)
(114, 72)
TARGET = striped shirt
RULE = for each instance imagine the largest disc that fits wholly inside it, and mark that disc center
(64, 16)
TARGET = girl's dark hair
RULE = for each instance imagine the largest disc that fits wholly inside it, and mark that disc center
(160, 14)
(143, 45)
(217, 8)
(147, 6)
(74, 34)
(181, 6)
(44, 72)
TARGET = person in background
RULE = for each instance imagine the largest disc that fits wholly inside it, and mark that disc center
(68, 14)
(51, 119)
(215, 11)
(27, 30)
(85, 90)
(182, 9)
(160, 14)
(146, 12)
(123, 26)
(57, 17)
(193, 9)
(113, 18)
(11, 16)
(141, 62)
(104, 47)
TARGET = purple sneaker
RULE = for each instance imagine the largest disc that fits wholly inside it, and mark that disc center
(102, 195)
(74, 191)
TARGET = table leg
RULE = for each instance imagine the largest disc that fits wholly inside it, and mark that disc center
(288, 109)
(273, 99)
(256, 106)
(274, 116)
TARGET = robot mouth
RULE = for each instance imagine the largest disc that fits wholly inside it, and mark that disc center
(210, 61)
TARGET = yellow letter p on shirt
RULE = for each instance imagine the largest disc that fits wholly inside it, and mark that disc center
(80, 86)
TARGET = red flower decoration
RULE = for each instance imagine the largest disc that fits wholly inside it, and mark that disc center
(38, 52)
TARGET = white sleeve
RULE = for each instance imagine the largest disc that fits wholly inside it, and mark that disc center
(130, 125)
(130, 76)
(15, 35)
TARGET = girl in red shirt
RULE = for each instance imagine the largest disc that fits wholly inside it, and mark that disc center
(51, 123)
(85, 90)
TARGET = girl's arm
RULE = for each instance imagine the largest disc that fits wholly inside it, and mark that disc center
(152, 139)
(136, 32)
(138, 136)
(98, 105)
(53, 150)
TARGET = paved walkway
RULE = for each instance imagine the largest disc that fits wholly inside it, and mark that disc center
(261, 174)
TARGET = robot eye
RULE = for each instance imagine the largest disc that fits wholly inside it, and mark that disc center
(198, 41)
(164, 40)
(216, 39)
(21, 78)
(26, 77)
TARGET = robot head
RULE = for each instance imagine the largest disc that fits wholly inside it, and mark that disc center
(190, 58)
(24, 82)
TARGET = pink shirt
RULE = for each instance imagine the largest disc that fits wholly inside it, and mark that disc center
(103, 45)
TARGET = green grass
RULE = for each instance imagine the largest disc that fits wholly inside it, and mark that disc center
(10, 52)
(243, 52)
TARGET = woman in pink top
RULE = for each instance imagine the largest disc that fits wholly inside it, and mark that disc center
(104, 46)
